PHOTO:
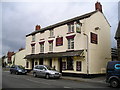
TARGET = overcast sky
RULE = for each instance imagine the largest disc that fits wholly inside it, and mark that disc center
(20, 18)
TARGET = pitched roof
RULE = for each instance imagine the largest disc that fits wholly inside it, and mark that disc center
(117, 35)
(63, 22)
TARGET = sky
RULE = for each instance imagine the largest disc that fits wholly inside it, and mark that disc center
(19, 18)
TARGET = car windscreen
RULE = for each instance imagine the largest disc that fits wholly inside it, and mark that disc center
(50, 68)
(21, 67)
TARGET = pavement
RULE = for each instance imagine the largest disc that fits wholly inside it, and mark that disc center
(100, 79)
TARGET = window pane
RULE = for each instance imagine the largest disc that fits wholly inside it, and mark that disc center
(69, 63)
(78, 66)
(33, 38)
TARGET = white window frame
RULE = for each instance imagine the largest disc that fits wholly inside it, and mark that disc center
(42, 48)
(70, 28)
(33, 48)
(33, 38)
(51, 33)
(51, 46)
(71, 43)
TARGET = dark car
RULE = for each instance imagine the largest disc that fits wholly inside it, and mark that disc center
(18, 69)
(113, 73)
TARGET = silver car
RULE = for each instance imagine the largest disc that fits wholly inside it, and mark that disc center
(45, 71)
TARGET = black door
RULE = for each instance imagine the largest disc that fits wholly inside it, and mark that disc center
(60, 64)
(32, 63)
(50, 62)
(41, 61)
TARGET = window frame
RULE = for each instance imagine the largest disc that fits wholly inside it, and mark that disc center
(51, 33)
(71, 43)
(50, 46)
(33, 38)
(42, 48)
(33, 49)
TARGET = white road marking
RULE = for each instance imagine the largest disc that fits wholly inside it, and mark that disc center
(66, 87)
(37, 81)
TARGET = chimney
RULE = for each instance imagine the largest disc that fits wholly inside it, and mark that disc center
(21, 49)
(98, 6)
(37, 27)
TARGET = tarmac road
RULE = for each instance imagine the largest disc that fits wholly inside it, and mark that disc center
(28, 81)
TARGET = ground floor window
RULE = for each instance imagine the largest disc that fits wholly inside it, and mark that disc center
(69, 63)
(78, 65)
(27, 64)
(36, 63)
(63, 65)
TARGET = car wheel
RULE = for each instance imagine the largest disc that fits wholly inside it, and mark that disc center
(16, 73)
(10, 72)
(47, 76)
(114, 83)
(34, 74)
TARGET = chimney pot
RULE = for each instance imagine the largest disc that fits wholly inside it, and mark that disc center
(98, 6)
(37, 27)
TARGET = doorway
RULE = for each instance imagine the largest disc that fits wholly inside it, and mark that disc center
(60, 64)
(41, 61)
(32, 63)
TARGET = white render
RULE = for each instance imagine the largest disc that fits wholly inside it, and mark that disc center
(18, 58)
(98, 54)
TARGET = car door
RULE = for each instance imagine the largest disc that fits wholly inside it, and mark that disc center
(13, 69)
(43, 71)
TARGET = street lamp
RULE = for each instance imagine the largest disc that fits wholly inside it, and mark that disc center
(87, 53)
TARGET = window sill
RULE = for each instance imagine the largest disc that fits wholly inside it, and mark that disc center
(52, 37)
(69, 50)
(32, 41)
(70, 32)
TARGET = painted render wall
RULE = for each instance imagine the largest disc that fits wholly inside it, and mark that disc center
(99, 54)
(19, 58)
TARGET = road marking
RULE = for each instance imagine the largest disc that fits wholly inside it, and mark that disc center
(66, 87)
(37, 81)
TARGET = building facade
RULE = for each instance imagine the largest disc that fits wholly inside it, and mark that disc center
(80, 45)
(117, 37)
(18, 58)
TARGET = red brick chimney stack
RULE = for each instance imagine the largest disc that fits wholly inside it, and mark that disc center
(21, 49)
(37, 27)
(98, 6)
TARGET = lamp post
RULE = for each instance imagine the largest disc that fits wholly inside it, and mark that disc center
(87, 53)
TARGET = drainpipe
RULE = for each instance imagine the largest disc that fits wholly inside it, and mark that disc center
(87, 53)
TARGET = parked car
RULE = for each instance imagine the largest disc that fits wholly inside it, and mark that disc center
(113, 73)
(18, 69)
(45, 71)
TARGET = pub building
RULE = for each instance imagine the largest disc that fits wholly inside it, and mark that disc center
(77, 46)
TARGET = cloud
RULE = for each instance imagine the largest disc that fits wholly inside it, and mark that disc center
(20, 18)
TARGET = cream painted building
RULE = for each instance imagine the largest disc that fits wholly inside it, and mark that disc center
(77, 46)
(18, 58)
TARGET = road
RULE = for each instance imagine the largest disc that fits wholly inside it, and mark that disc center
(28, 81)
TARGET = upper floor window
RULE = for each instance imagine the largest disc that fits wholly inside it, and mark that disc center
(71, 43)
(33, 48)
(70, 27)
(78, 27)
(51, 33)
(51, 46)
(42, 47)
(33, 38)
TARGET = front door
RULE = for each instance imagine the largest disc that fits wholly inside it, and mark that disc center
(32, 63)
(50, 62)
(60, 64)
(41, 61)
